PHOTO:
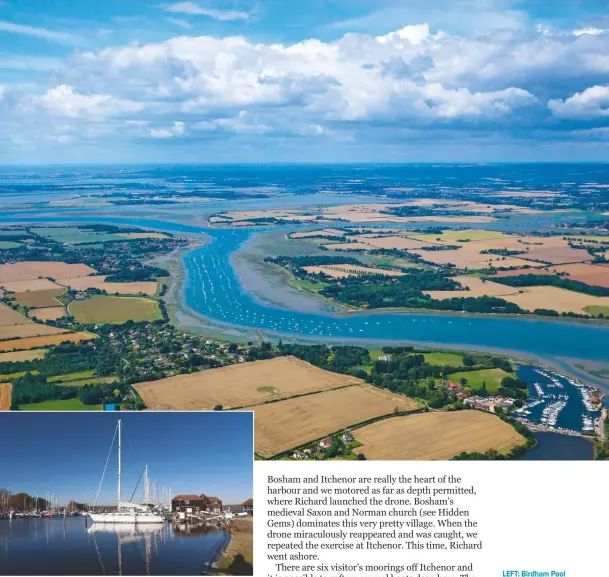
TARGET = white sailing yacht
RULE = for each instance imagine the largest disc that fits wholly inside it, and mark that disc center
(126, 512)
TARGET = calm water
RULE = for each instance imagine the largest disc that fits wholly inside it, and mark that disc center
(557, 447)
(52, 547)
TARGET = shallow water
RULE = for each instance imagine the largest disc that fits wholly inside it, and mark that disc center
(52, 547)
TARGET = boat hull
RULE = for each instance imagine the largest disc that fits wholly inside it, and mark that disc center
(133, 518)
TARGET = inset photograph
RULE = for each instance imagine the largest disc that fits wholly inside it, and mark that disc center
(148, 493)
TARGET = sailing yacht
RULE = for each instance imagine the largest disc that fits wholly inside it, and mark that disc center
(126, 512)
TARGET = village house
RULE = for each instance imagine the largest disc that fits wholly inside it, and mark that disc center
(188, 503)
(326, 443)
(214, 505)
(248, 506)
(347, 437)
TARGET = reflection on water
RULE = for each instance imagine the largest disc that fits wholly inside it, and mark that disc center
(78, 547)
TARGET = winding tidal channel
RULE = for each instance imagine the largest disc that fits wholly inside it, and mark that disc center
(213, 290)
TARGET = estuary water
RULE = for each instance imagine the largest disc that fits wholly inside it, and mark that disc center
(557, 447)
(54, 547)
(213, 290)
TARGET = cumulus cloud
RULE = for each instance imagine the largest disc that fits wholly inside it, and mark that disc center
(196, 10)
(63, 100)
(591, 103)
(412, 81)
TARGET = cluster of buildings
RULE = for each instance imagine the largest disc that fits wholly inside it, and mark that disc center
(194, 504)
(319, 447)
(489, 403)
(162, 351)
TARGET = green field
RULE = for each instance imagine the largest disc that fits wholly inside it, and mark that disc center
(12, 376)
(442, 359)
(70, 377)
(456, 235)
(72, 235)
(8, 244)
(597, 310)
(59, 405)
(308, 285)
(475, 379)
(80, 379)
(115, 310)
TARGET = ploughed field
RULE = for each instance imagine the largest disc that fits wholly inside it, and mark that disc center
(436, 436)
(6, 390)
(240, 385)
(287, 424)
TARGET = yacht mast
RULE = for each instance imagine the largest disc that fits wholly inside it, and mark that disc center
(118, 502)
(146, 486)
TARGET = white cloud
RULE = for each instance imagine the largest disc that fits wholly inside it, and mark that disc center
(160, 133)
(52, 35)
(176, 130)
(591, 103)
(590, 31)
(411, 81)
(65, 101)
(179, 22)
(196, 10)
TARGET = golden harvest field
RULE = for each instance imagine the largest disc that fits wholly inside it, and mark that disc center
(240, 385)
(29, 270)
(436, 436)
(472, 260)
(18, 356)
(28, 330)
(9, 317)
(558, 299)
(477, 288)
(99, 282)
(343, 270)
(39, 284)
(6, 390)
(38, 342)
(317, 233)
(286, 424)
(558, 254)
(50, 313)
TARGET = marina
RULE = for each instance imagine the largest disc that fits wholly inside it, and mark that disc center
(557, 403)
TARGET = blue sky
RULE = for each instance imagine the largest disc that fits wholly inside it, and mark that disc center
(321, 80)
(65, 453)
